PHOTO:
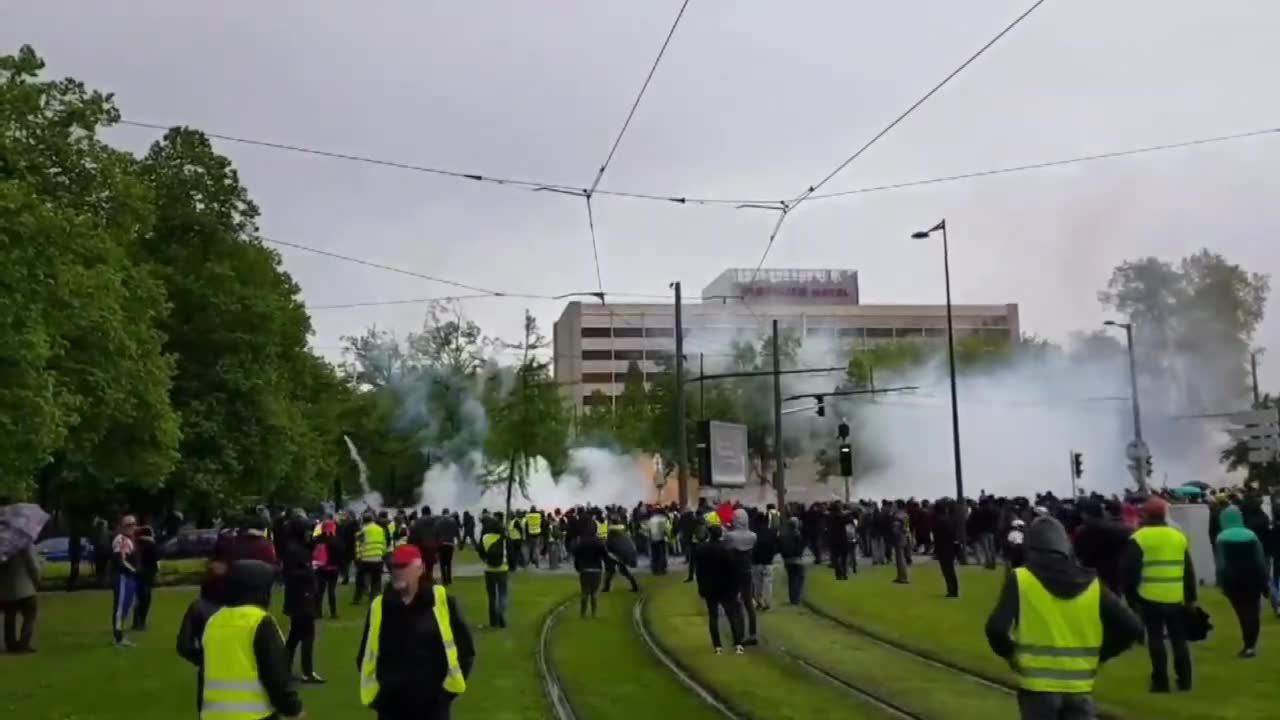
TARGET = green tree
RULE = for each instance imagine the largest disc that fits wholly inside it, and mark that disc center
(85, 398)
(528, 419)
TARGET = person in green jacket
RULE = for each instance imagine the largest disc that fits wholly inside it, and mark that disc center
(1242, 574)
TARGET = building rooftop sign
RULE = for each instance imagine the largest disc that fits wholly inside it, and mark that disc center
(786, 286)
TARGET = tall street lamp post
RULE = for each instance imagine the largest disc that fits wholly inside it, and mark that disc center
(951, 355)
(1138, 450)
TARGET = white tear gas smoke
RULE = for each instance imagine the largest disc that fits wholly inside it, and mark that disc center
(595, 476)
(1019, 420)
(369, 498)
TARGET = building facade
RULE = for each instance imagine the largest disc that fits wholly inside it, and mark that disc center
(595, 344)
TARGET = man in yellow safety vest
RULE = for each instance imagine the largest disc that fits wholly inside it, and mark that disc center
(515, 540)
(371, 547)
(1055, 624)
(533, 534)
(1160, 583)
(244, 670)
(494, 553)
(416, 651)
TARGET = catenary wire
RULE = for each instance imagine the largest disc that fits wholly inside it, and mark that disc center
(790, 206)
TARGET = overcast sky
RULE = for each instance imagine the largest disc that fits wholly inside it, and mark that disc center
(754, 99)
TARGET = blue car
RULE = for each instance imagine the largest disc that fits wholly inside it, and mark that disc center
(56, 549)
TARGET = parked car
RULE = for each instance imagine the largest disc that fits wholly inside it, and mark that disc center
(57, 550)
(189, 543)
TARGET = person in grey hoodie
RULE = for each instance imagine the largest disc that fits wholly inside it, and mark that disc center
(740, 542)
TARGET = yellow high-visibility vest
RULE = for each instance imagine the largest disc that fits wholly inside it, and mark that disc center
(533, 523)
(712, 518)
(372, 543)
(232, 690)
(486, 541)
(602, 529)
(1058, 641)
(1164, 552)
(454, 681)
(513, 530)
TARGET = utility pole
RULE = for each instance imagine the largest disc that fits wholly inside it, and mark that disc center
(779, 472)
(702, 388)
(1253, 368)
(682, 435)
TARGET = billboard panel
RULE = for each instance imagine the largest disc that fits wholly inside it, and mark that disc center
(728, 454)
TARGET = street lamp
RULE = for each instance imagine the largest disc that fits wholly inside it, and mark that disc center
(1138, 444)
(951, 353)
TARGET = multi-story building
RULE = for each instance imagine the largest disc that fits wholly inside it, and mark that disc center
(596, 343)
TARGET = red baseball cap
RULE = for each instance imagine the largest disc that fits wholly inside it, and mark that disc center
(405, 555)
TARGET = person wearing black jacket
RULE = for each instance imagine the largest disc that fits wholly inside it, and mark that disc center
(1101, 542)
(589, 560)
(148, 569)
(447, 532)
(838, 542)
(718, 587)
(249, 585)
(412, 659)
(946, 546)
(791, 546)
(762, 556)
(468, 529)
(300, 597)
(1049, 562)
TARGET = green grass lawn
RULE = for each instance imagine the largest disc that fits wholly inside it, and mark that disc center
(761, 684)
(608, 672)
(916, 615)
(78, 675)
(188, 571)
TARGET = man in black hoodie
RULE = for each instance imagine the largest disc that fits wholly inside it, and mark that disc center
(718, 586)
(225, 677)
(1101, 542)
(1056, 624)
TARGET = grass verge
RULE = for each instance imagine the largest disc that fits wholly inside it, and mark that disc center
(918, 617)
(77, 675)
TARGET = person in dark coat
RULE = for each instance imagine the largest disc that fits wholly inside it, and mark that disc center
(300, 597)
(148, 571)
(326, 554)
(718, 587)
(1101, 541)
(791, 547)
(589, 555)
(946, 546)
(1242, 574)
(447, 532)
(839, 543)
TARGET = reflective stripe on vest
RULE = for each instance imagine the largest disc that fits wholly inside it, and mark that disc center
(1057, 641)
(486, 541)
(712, 518)
(602, 529)
(454, 681)
(1164, 551)
(232, 690)
(373, 543)
(533, 522)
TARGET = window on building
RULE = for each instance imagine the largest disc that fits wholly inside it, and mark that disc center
(595, 332)
(597, 377)
(909, 332)
(628, 354)
(819, 331)
(597, 354)
(935, 332)
(628, 332)
(661, 332)
(659, 355)
(879, 332)
(847, 332)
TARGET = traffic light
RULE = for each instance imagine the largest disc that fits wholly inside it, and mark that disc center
(1077, 464)
(842, 430)
(846, 460)
(822, 405)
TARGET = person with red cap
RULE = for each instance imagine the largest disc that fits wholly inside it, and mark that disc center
(416, 651)
(1160, 583)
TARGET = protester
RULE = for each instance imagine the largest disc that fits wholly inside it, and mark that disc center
(900, 537)
(468, 529)
(791, 546)
(534, 538)
(300, 597)
(1014, 544)
(762, 556)
(244, 672)
(1160, 581)
(839, 544)
(1242, 574)
(621, 554)
(447, 532)
(493, 552)
(325, 557)
(946, 546)
(589, 556)
(1055, 624)
(148, 571)
(1101, 541)
(719, 588)
(416, 651)
(19, 585)
(659, 528)
(371, 545)
(124, 570)
(740, 542)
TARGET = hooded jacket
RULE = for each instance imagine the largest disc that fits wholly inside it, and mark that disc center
(1048, 557)
(249, 583)
(1242, 568)
(740, 542)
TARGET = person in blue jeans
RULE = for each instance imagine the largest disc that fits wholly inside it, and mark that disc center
(124, 578)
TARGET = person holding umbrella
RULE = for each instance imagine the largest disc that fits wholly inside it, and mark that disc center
(20, 524)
